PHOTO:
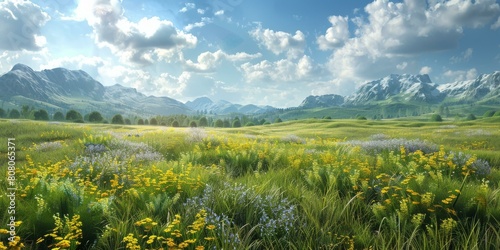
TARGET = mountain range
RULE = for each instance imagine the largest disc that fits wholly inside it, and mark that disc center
(61, 89)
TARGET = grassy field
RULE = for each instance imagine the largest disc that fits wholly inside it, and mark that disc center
(306, 184)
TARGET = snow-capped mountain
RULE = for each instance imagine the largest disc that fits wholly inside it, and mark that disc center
(403, 88)
(224, 107)
(485, 88)
(63, 89)
(322, 101)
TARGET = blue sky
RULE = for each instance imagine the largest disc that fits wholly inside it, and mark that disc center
(261, 51)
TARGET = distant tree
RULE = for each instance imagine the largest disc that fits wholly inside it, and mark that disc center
(146, 122)
(203, 122)
(128, 121)
(58, 116)
(117, 119)
(140, 122)
(278, 120)
(327, 117)
(227, 123)
(470, 117)
(219, 123)
(262, 121)
(361, 118)
(497, 113)
(14, 114)
(95, 117)
(266, 123)
(73, 115)
(249, 124)
(41, 115)
(436, 118)
(236, 123)
(2, 113)
(489, 113)
(192, 124)
(175, 124)
(26, 111)
(153, 121)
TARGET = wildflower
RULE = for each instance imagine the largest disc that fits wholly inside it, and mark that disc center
(447, 225)
(417, 219)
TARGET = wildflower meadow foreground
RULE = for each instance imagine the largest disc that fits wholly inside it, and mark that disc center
(309, 184)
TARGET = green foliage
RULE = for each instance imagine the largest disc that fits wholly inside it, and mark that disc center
(203, 122)
(256, 187)
(497, 113)
(41, 115)
(14, 114)
(192, 124)
(489, 113)
(236, 123)
(140, 122)
(219, 123)
(153, 121)
(95, 117)
(436, 118)
(73, 115)
(278, 120)
(58, 116)
(127, 121)
(249, 124)
(361, 118)
(3, 114)
(175, 124)
(470, 117)
(117, 119)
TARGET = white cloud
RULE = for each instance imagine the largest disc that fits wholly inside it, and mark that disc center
(394, 33)
(460, 75)
(464, 56)
(336, 35)
(139, 42)
(191, 26)
(284, 70)
(187, 7)
(20, 26)
(219, 13)
(200, 11)
(208, 61)
(280, 42)
(425, 70)
(496, 25)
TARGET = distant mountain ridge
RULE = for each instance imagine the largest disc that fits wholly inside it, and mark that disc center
(63, 89)
(408, 88)
(225, 107)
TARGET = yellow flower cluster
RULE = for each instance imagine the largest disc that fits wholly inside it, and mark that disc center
(66, 234)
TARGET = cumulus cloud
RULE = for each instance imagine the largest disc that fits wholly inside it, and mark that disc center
(20, 26)
(208, 61)
(393, 33)
(280, 42)
(460, 75)
(284, 70)
(137, 42)
(336, 35)
(425, 70)
(187, 7)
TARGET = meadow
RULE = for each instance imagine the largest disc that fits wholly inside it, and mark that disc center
(306, 184)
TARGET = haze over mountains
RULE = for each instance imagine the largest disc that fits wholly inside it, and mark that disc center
(61, 89)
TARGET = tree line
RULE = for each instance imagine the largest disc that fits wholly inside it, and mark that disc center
(198, 120)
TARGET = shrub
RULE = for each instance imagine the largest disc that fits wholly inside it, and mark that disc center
(192, 124)
(58, 116)
(14, 114)
(236, 123)
(219, 123)
(2, 113)
(249, 124)
(95, 117)
(128, 122)
(203, 122)
(361, 118)
(278, 120)
(41, 115)
(140, 122)
(117, 119)
(470, 117)
(497, 113)
(73, 115)
(175, 124)
(153, 121)
(436, 118)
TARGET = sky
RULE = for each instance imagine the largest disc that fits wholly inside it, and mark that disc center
(264, 52)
